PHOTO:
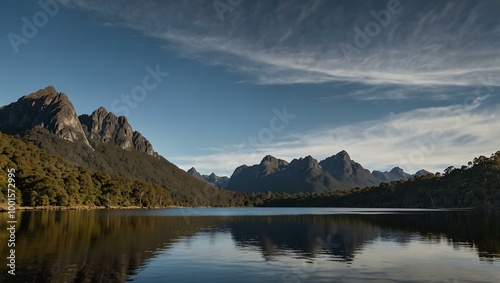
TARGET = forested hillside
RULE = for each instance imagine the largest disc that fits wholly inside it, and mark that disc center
(42, 180)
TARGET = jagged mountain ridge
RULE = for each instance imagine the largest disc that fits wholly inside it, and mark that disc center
(106, 127)
(218, 181)
(53, 111)
(396, 173)
(336, 172)
(46, 109)
(276, 175)
(350, 173)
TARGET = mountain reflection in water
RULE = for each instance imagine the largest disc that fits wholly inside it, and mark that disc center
(113, 246)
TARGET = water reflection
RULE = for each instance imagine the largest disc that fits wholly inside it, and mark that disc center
(343, 235)
(338, 235)
(89, 246)
(113, 246)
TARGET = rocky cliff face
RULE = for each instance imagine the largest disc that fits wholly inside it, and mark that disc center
(47, 109)
(345, 170)
(106, 127)
(50, 110)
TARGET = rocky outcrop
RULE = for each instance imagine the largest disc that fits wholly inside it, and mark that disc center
(45, 109)
(348, 172)
(106, 127)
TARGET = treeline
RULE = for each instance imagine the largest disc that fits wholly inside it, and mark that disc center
(45, 180)
(476, 184)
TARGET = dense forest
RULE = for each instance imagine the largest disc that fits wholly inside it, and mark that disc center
(44, 179)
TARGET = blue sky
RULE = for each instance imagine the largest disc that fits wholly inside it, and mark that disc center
(395, 83)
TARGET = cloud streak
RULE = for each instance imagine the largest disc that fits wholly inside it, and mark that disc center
(286, 42)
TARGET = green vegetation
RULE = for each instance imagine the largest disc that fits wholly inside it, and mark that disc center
(46, 180)
(182, 187)
(51, 171)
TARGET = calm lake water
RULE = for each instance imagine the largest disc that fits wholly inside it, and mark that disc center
(254, 245)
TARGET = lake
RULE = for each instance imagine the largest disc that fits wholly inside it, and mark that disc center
(254, 245)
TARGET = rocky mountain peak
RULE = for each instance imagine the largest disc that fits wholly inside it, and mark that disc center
(310, 160)
(195, 174)
(343, 155)
(106, 127)
(210, 179)
(48, 92)
(397, 170)
(273, 162)
(53, 111)
(45, 109)
(192, 171)
(304, 163)
(346, 170)
(268, 159)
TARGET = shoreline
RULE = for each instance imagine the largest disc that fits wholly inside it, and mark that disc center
(4, 208)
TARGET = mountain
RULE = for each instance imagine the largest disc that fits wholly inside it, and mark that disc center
(100, 142)
(348, 172)
(46, 109)
(336, 172)
(476, 185)
(276, 175)
(395, 174)
(421, 173)
(212, 179)
(195, 174)
(105, 127)
(218, 181)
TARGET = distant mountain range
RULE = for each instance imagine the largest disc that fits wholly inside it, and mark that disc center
(306, 174)
(212, 179)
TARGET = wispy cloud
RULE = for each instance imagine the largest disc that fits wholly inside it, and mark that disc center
(284, 42)
(430, 50)
(429, 138)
